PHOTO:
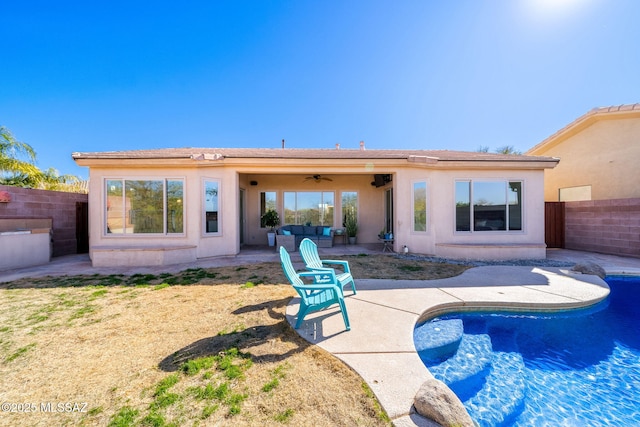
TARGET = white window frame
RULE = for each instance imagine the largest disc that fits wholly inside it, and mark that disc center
(203, 208)
(426, 207)
(296, 193)
(123, 180)
(505, 181)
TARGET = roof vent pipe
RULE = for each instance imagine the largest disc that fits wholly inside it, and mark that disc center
(283, 144)
(337, 146)
(361, 145)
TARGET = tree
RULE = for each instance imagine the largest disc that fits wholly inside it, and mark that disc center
(17, 168)
(271, 219)
(508, 149)
(52, 180)
(16, 158)
(351, 224)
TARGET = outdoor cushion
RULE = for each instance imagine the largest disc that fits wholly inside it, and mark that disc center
(292, 235)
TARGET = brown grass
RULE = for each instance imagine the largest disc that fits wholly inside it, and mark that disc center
(128, 347)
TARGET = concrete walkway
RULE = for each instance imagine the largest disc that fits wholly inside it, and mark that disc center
(384, 312)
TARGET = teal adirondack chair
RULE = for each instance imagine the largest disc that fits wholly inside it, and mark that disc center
(316, 296)
(309, 253)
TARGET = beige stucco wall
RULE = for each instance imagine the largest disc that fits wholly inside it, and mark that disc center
(206, 245)
(603, 155)
(441, 206)
(440, 239)
(370, 202)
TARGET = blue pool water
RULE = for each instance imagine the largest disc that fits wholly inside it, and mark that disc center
(574, 368)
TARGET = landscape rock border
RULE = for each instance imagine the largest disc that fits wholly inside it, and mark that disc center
(438, 403)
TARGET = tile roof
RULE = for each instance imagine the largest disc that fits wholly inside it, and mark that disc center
(615, 109)
(423, 156)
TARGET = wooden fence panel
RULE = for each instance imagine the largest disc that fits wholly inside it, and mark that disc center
(554, 224)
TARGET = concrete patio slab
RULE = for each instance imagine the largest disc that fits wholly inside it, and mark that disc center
(411, 300)
(564, 283)
(375, 329)
(379, 372)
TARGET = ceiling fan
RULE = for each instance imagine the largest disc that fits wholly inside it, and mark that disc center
(317, 178)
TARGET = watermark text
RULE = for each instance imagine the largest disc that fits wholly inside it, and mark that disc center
(55, 407)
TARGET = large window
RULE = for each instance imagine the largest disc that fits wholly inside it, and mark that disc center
(144, 206)
(211, 209)
(309, 207)
(488, 205)
(420, 206)
(268, 202)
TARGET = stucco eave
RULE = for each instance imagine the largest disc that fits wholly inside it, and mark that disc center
(337, 165)
(320, 165)
(245, 165)
(144, 163)
(498, 165)
(294, 165)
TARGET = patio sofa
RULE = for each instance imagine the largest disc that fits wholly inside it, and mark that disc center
(290, 236)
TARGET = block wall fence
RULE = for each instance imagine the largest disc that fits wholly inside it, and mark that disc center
(58, 206)
(605, 226)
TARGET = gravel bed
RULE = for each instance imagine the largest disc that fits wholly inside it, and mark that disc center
(480, 263)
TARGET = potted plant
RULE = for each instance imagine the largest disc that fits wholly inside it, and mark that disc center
(271, 219)
(351, 226)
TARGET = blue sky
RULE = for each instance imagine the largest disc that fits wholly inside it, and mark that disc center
(428, 74)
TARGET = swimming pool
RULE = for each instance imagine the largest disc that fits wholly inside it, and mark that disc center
(573, 368)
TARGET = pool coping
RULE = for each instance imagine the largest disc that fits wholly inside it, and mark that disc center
(385, 357)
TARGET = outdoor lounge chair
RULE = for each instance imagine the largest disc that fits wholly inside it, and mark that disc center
(316, 296)
(309, 253)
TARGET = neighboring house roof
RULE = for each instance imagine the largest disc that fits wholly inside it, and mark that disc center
(625, 111)
(217, 154)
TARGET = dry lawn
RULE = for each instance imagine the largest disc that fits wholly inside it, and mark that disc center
(201, 347)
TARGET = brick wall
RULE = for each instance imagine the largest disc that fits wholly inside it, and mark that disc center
(606, 226)
(58, 206)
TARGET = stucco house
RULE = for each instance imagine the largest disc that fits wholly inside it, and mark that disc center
(593, 196)
(600, 151)
(155, 207)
